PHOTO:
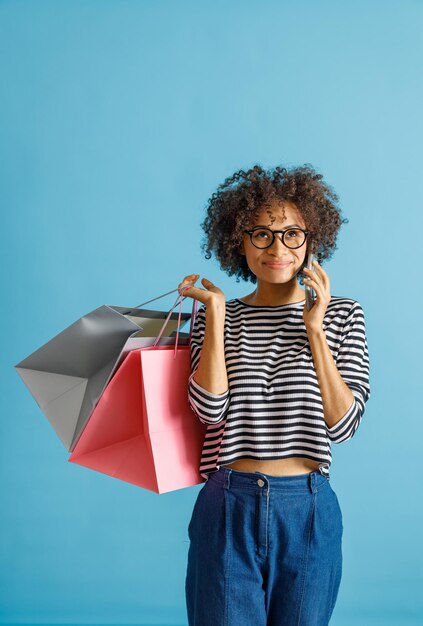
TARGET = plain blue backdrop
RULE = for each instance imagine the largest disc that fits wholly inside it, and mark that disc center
(119, 117)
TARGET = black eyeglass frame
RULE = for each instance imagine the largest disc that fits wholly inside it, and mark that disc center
(250, 232)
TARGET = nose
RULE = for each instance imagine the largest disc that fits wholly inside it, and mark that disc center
(278, 243)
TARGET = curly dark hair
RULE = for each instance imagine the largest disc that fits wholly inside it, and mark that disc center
(240, 197)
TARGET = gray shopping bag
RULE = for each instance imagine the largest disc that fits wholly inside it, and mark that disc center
(68, 374)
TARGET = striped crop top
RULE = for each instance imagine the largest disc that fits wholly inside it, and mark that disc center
(273, 406)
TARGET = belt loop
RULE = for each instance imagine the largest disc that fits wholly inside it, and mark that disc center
(313, 488)
(227, 479)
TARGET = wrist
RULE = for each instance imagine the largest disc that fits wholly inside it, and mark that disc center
(216, 310)
(316, 331)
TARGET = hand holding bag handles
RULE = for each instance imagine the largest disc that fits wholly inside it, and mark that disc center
(193, 314)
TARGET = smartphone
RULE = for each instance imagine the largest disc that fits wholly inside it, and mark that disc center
(310, 293)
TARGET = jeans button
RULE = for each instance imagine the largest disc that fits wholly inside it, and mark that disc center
(260, 482)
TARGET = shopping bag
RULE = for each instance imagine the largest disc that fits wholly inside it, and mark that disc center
(143, 430)
(68, 374)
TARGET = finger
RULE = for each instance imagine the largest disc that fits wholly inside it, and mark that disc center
(314, 284)
(320, 271)
(311, 277)
(310, 282)
(185, 285)
(321, 292)
(192, 278)
(209, 285)
(187, 290)
(315, 271)
(317, 277)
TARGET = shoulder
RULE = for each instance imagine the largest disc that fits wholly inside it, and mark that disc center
(341, 312)
(233, 303)
(342, 303)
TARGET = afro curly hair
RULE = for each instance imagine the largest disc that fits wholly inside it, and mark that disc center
(239, 199)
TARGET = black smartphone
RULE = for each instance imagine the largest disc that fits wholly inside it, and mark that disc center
(310, 293)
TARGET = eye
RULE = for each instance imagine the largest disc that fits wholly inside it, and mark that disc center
(292, 234)
(261, 234)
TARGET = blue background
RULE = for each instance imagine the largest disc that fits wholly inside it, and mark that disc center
(120, 116)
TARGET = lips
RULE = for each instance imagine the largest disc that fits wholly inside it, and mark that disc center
(279, 264)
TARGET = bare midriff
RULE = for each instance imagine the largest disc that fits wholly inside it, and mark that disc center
(277, 467)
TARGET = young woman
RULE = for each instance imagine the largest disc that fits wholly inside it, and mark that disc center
(276, 384)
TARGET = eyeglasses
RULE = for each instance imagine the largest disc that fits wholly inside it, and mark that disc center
(262, 237)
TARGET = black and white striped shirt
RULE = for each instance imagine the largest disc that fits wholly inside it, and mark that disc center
(273, 407)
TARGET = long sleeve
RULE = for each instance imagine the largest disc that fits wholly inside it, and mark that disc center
(209, 407)
(353, 365)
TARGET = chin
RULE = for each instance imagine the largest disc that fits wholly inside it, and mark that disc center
(280, 277)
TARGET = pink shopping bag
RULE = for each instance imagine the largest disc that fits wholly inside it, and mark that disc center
(143, 430)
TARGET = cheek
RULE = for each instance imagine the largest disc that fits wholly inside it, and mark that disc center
(253, 262)
(303, 257)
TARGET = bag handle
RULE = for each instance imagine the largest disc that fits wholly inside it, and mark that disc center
(156, 298)
(193, 315)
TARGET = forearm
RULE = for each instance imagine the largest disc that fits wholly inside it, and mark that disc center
(211, 371)
(337, 397)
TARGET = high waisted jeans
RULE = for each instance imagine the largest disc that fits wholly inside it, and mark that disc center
(264, 550)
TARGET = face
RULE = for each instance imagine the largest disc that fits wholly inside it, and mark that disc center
(277, 216)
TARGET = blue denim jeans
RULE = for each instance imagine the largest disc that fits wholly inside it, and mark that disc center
(264, 550)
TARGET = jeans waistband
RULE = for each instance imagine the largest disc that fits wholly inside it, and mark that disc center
(230, 478)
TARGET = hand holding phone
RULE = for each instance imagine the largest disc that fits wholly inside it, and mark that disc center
(310, 293)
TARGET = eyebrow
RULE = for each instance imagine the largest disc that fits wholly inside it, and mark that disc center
(289, 226)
